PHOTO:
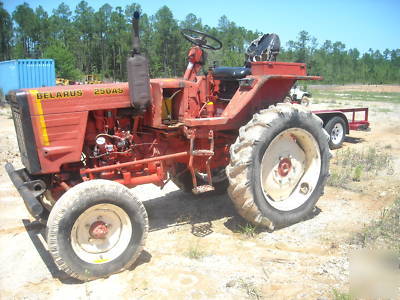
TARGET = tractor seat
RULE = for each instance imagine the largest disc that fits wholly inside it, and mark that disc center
(230, 73)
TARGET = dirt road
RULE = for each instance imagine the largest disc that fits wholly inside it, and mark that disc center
(196, 249)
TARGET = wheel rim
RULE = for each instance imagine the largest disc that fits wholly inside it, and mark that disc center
(290, 169)
(101, 233)
(337, 133)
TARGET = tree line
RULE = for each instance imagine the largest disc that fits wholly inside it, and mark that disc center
(86, 41)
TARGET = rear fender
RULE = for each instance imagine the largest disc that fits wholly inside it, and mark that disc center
(266, 90)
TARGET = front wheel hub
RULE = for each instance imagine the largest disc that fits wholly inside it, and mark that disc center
(98, 230)
(101, 233)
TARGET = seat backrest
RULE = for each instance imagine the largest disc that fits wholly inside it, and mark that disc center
(264, 48)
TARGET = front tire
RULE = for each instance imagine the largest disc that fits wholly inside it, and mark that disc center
(279, 166)
(95, 229)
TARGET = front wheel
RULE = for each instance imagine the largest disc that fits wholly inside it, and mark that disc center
(95, 229)
(279, 166)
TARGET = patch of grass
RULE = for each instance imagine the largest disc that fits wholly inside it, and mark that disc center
(357, 173)
(337, 295)
(350, 165)
(384, 110)
(383, 233)
(388, 146)
(338, 180)
(392, 97)
(248, 230)
(251, 289)
(195, 252)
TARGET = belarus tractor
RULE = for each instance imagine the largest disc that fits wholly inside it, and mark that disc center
(226, 129)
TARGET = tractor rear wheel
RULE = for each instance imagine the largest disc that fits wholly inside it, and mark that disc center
(183, 179)
(279, 166)
(95, 229)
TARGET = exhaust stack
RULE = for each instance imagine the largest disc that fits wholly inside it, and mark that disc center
(138, 72)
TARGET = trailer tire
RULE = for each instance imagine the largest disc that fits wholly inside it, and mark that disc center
(95, 229)
(336, 128)
(284, 143)
(183, 180)
(305, 101)
(287, 99)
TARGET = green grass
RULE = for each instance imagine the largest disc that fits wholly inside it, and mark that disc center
(391, 97)
(337, 295)
(383, 232)
(248, 230)
(195, 252)
(384, 110)
(350, 165)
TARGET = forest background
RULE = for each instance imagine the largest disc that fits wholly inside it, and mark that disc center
(85, 41)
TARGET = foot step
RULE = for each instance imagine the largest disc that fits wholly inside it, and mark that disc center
(203, 152)
(202, 189)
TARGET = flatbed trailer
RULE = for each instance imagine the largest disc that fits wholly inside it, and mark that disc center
(339, 122)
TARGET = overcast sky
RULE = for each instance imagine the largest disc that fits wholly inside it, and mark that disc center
(360, 24)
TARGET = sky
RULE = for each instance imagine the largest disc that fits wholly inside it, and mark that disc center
(358, 24)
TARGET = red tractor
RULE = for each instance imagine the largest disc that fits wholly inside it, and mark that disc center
(84, 146)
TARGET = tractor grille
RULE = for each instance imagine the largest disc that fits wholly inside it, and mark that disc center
(24, 130)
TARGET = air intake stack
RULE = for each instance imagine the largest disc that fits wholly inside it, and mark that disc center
(138, 72)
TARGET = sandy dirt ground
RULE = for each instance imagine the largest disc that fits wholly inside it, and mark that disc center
(387, 88)
(305, 261)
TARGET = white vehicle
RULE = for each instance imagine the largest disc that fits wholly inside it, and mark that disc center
(298, 96)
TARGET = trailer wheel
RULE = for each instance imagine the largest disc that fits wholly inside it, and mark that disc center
(183, 179)
(95, 229)
(336, 128)
(305, 101)
(279, 166)
(287, 99)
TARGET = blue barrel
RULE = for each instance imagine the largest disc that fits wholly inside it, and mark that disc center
(26, 73)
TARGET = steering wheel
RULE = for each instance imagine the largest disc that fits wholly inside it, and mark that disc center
(200, 39)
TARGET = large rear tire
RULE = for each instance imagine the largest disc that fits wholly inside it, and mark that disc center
(95, 229)
(279, 166)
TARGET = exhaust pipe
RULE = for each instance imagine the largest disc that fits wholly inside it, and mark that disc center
(138, 73)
